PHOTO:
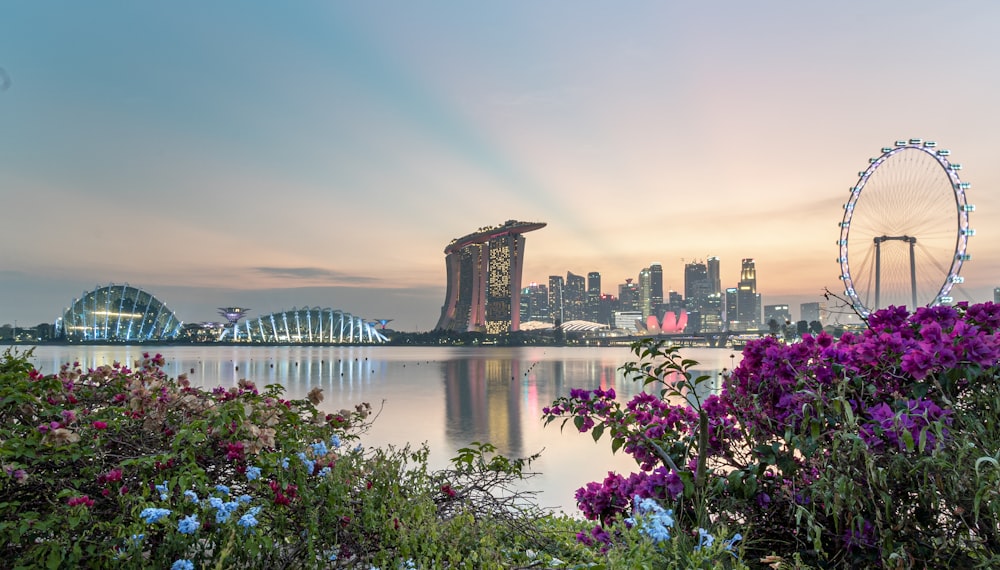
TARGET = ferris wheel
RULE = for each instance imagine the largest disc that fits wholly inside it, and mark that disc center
(905, 230)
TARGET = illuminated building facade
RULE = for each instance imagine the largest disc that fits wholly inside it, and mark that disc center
(118, 313)
(484, 279)
(307, 326)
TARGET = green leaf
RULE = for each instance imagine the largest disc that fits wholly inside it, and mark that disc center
(598, 431)
(616, 444)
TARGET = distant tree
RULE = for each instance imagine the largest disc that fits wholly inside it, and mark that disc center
(773, 327)
(802, 327)
(815, 327)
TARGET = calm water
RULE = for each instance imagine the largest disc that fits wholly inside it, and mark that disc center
(444, 396)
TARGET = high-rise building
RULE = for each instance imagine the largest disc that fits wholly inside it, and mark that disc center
(645, 293)
(996, 294)
(628, 295)
(732, 316)
(714, 275)
(748, 300)
(593, 296)
(606, 307)
(574, 296)
(655, 286)
(780, 314)
(696, 285)
(484, 279)
(535, 303)
(810, 312)
(556, 286)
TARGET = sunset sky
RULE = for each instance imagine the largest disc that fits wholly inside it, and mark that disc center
(271, 155)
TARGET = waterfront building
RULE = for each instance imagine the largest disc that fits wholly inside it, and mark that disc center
(627, 321)
(996, 294)
(118, 313)
(484, 279)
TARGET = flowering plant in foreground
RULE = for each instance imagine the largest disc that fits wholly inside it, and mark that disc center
(124, 467)
(874, 449)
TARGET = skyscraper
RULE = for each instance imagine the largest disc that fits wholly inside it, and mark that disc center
(484, 279)
(732, 317)
(696, 285)
(535, 303)
(655, 287)
(574, 296)
(748, 300)
(714, 274)
(628, 295)
(556, 285)
(645, 293)
(593, 295)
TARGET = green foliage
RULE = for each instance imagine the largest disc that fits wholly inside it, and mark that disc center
(124, 467)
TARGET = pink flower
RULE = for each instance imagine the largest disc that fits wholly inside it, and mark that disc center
(80, 500)
(100, 425)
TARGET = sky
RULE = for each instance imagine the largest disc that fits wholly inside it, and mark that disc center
(318, 153)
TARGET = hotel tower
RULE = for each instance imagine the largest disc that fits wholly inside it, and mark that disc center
(484, 279)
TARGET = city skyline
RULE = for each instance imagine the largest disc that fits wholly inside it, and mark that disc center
(319, 155)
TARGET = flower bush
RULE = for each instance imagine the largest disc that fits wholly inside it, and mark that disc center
(124, 467)
(877, 449)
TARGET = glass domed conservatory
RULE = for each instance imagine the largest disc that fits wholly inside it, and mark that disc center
(307, 326)
(118, 313)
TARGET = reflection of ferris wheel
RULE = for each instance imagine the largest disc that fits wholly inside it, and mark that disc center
(906, 228)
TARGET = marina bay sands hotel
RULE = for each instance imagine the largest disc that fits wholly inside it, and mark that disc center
(484, 279)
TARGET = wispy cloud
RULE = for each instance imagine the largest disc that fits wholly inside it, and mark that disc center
(314, 273)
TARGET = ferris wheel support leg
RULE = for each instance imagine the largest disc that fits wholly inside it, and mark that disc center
(878, 271)
(913, 273)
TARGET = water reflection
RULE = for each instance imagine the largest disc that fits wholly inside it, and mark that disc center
(447, 397)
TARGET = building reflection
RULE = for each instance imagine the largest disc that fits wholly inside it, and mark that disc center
(490, 400)
(483, 403)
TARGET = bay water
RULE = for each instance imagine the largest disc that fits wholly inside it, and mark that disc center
(446, 397)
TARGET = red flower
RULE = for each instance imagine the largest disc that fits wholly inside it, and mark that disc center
(100, 425)
(447, 490)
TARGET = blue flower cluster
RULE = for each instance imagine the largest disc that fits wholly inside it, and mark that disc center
(223, 509)
(163, 489)
(188, 524)
(152, 515)
(652, 519)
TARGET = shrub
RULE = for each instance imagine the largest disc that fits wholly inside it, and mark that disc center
(125, 467)
(878, 449)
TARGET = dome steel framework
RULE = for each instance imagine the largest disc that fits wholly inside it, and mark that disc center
(118, 313)
(307, 326)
